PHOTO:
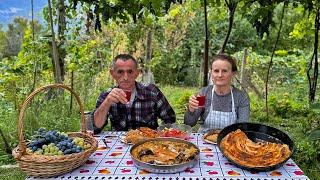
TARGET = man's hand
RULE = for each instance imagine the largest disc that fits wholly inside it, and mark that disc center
(115, 96)
(193, 103)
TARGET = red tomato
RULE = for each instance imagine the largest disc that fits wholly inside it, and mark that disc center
(174, 133)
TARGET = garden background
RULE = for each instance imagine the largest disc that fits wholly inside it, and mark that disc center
(275, 42)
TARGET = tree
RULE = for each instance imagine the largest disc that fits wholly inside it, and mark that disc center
(55, 52)
(232, 6)
(2, 42)
(14, 36)
(271, 59)
(125, 11)
(313, 69)
(61, 36)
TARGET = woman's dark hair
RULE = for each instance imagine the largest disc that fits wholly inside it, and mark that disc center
(123, 57)
(228, 58)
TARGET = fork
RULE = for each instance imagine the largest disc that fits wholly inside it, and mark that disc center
(105, 143)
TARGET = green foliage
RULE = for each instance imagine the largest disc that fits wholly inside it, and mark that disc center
(298, 126)
(14, 37)
(178, 97)
(315, 134)
(179, 39)
(287, 70)
(281, 53)
(285, 106)
(306, 152)
(298, 120)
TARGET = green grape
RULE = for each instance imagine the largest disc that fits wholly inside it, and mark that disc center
(52, 149)
(40, 151)
(29, 151)
(65, 134)
(81, 144)
(44, 146)
(87, 146)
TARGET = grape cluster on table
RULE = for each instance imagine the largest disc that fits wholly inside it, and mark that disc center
(51, 143)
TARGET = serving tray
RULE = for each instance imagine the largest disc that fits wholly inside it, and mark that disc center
(154, 168)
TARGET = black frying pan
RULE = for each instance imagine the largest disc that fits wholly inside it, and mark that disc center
(257, 132)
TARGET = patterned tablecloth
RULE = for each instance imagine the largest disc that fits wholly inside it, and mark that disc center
(114, 163)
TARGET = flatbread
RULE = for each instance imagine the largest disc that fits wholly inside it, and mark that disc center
(142, 133)
(239, 148)
(212, 136)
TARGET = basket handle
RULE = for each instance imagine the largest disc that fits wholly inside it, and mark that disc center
(22, 143)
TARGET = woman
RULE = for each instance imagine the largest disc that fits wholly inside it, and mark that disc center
(224, 103)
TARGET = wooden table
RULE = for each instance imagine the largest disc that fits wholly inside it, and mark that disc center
(114, 163)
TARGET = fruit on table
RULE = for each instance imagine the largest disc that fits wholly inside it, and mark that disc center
(52, 143)
(172, 132)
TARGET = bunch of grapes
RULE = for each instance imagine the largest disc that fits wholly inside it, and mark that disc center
(80, 142)
(52, 143)
(50, 150)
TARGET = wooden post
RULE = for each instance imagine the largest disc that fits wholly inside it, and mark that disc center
(243, 64)
(206, 47)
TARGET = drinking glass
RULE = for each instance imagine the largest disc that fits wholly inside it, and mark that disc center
(128, 95)
(201, 99)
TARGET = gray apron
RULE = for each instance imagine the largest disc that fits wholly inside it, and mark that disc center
(218, 119)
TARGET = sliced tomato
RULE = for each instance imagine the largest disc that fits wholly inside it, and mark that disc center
(174, 133)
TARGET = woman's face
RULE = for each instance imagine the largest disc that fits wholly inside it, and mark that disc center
(221, 73)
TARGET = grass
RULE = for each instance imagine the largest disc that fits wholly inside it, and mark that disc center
(12, 174)
(178, 97)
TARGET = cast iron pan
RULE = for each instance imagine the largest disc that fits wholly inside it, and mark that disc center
(257, 132)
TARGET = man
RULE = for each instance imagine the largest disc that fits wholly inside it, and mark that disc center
(146, 105)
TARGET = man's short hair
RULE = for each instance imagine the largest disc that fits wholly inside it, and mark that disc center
(123, 57)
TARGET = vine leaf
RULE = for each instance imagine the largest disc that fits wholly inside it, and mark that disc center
(315, 135)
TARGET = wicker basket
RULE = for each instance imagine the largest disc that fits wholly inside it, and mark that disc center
(48, 166)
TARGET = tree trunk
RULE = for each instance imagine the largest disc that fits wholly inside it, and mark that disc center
(35, 65)
(313, 68)
(147, 76)
(232, 6)
(243, 65)
(206, 48)
(72, 86)
(55, 53)
(271, 58)
(61, 36)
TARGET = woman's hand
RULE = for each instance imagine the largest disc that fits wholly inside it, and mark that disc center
(193, 103)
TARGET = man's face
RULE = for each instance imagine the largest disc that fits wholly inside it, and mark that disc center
(125, 73)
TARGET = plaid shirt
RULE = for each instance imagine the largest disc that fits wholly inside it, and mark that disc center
(148, 105)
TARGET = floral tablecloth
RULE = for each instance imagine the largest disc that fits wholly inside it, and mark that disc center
(114, 163)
